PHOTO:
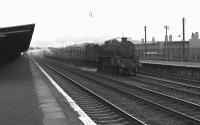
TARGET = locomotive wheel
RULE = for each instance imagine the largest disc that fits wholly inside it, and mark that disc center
(121, 71)
(134, 72)
(127, 71)
(124, 71)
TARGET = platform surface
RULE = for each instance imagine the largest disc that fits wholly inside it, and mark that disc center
(172, 63)
(27, 99)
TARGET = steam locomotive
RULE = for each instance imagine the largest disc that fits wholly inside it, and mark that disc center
(114, 56)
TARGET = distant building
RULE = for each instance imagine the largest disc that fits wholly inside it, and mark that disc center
(173, 50)
(142, 41)
(153, 40)
(195, 36)
(195, 41)
(170, 38)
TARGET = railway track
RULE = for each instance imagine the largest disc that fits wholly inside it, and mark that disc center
(100, 110)
(178, 107)
(177, 89)
(173, 78)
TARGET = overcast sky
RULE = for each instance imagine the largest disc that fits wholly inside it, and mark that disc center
(61, 21)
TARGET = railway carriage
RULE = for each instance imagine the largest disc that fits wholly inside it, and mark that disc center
(92, 52)
(78, 52)
(67, 53)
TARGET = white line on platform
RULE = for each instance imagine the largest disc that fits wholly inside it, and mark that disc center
(82, 115)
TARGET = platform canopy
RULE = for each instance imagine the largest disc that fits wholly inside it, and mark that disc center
(15, 39)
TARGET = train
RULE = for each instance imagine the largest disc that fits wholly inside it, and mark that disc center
(113, 56)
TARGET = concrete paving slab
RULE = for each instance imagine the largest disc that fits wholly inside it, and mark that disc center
(59, 121)
(48, 105)
(41, 101)
(51, 109)
(54, 115)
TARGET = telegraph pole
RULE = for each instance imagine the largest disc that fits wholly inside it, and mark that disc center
(145, 41)
(183, 38)
(166, 38)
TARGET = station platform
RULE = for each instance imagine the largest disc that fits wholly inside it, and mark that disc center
(28, 98)
(172, 63)
(186, 70)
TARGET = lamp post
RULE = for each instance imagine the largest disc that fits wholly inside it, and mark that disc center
(166, 39)
(145, 41)
(183, 39)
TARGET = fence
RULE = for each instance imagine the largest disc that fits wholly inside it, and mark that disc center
(171, 54)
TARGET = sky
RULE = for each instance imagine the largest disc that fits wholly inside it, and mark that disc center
(64, 22)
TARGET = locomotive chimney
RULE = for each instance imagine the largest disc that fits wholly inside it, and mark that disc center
(124, 39)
